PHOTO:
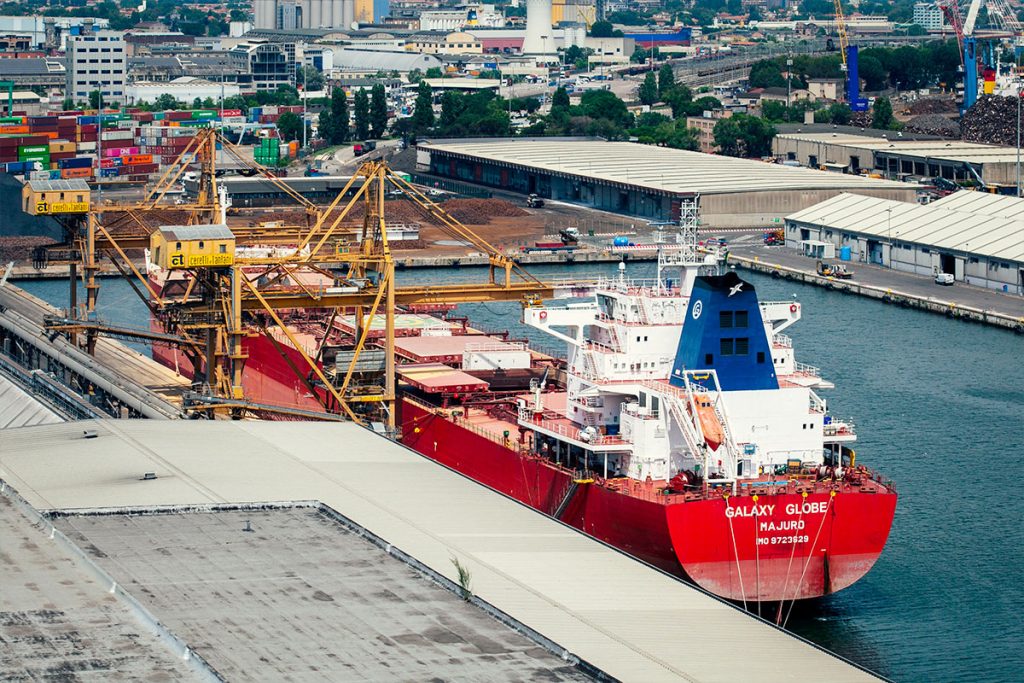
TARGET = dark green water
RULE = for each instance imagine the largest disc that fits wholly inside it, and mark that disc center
(939, 408)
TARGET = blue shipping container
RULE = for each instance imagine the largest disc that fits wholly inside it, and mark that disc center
(18, 166)
(109, 172)
(77, 162)
(86, 120)
(55, 174)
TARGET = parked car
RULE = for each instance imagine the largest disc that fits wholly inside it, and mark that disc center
(946, 279)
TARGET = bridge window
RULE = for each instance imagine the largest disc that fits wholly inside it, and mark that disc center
(760, 356)
(742, 318)
(742, 346)
(726, 346)
(725, 319)
(709, 359)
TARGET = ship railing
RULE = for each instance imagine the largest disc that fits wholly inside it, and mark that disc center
(490, 347)
(558, 426)
(783, 340)
(818, 404)
(805, 369)
(839, 428)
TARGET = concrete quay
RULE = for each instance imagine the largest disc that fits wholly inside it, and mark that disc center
(960, 302)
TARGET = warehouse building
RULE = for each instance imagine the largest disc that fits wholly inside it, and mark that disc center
(646, 181)
(899, 158)
(976, 236)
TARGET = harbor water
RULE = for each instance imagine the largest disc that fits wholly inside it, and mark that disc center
(939, 408)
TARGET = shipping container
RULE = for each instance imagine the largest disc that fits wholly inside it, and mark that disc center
(76, 172)
(135, 159)
(204, 114)
(76, 162)
(230, 112)
(62, 146)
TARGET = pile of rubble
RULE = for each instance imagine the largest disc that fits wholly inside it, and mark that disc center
(991, 120)
(933, 124)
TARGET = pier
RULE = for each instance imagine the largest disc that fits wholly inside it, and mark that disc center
(960, 301)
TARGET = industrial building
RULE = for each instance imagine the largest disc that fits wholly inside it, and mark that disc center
(646, 181)
(96, 61)
(898, 157)
(242, 550)
(311, 13)
(976, 236)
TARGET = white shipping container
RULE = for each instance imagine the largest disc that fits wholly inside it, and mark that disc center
(117, 135)
(86, 146)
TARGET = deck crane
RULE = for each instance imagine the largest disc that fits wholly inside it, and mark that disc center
(849, 55)
(964, 30)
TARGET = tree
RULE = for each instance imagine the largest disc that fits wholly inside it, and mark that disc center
(775, 111)
(289, 126)
(378, 111)
(602, 29)
(362, 115)
(881, 114)
(434, 72)
(68, 104)
(166, 101)
(95, 99)
(666, 80)
(647, 93)
(766, 74)
(916, 30)
(873, 73)
(311, 78)
(423, 111)
(339, 118)
(560, 98)
(744, 136)
(603, 104)
(325, 126)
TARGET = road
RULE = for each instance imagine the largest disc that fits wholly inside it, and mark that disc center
(342, 161)
(960, 294)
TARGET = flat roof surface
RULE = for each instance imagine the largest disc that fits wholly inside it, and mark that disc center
(624, 617)
(438, 377)
(421, 347)
(659, 168)
(58, 622)
(20, 409)
(949, 150)
(303, 597)
(930, 225)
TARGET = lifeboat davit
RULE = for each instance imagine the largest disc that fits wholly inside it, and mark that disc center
(710, 425)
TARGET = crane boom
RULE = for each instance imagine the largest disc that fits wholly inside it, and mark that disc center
(844, 41)
(972, 17)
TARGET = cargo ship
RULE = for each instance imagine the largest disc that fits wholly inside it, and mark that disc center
(679, 427)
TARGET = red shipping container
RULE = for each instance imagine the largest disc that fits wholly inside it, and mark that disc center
(232, 112)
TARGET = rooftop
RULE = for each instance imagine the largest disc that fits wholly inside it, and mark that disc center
(950, 150)
(303, 596)
(76, 185)
(962, 224)
(20, 409)
(519, 560)
(659, 168)
(59, 622)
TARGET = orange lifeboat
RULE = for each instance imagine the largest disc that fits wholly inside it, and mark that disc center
(714, 435)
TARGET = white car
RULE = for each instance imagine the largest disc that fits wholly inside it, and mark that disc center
(944, 279)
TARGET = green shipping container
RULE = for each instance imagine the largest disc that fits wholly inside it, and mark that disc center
(204, 114)
(33, 149)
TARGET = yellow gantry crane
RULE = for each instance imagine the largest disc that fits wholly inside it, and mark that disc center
(219, 301)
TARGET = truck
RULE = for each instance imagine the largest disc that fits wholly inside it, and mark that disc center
(837, 271)
(534, 202)
(361, 148)
(570, 236)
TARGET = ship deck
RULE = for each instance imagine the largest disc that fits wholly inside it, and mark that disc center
(495, 427)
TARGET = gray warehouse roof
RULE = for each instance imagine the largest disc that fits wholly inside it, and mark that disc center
(949, 150)
(383, 60)
(658, 168)
(20, 409)
(931, 225)
(538, 571)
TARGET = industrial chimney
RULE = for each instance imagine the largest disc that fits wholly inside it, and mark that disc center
(539, 38)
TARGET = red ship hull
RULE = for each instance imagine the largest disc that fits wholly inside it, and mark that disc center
(775, 547)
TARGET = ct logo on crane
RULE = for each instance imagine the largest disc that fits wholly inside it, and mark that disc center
(698, 308)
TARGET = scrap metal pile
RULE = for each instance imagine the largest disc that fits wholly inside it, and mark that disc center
(991, 120)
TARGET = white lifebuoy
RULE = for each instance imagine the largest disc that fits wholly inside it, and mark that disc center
(792, 308)
(543, 315)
